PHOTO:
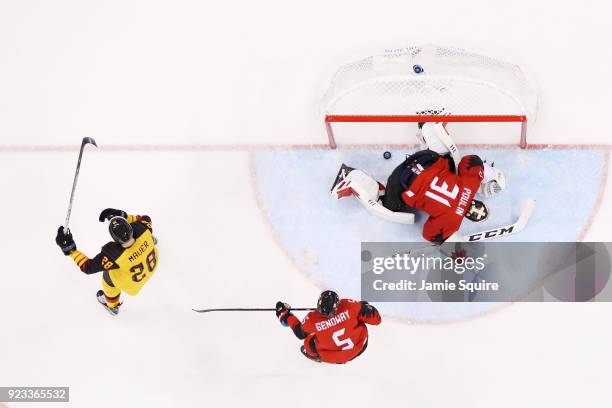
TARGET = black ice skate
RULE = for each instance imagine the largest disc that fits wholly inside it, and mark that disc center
(340, 184)
(309, 356)
(114, 311)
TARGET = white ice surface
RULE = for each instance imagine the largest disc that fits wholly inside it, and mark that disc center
(242, 73)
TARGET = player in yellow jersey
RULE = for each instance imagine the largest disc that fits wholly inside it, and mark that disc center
(126, 263)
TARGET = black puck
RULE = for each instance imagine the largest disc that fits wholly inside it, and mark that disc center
(387, 155)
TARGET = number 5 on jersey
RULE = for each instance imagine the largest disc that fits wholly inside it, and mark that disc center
(346, 344)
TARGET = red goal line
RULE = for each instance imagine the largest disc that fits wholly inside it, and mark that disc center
(329, 119)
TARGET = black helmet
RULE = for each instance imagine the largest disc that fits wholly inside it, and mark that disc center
(120, 229)
(477, 212)
(328, 303)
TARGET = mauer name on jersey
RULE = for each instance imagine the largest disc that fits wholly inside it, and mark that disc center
(139, 251)
(331, 322)
(463, 201)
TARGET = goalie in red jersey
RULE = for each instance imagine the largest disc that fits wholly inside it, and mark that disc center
(334, 333)
(427, 181)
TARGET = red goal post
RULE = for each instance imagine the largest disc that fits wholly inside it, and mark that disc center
(409, 84)
(329, 119)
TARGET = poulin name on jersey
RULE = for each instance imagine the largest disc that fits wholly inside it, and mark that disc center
(139, 251)
(331, 322)
(463, 201)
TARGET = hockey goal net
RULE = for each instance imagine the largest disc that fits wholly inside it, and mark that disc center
(418, 84)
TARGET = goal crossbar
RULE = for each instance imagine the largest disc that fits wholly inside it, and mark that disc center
(329, 119)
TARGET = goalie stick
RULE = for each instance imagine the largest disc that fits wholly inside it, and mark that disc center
(239, 309)
(486, 235)
(518, 226)
(86, 140)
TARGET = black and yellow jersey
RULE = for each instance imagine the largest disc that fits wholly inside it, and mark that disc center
(128, 268)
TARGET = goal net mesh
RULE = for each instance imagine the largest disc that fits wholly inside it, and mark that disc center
(453, 81)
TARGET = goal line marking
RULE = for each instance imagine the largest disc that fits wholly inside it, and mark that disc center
(253, 147)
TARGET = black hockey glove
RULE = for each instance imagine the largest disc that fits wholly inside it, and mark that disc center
(109, 213)
(283, 311)
(64, 241)
(367, 309)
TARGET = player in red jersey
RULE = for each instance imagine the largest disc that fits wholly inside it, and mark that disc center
(334, 333)
(427, 181)
(445, 196)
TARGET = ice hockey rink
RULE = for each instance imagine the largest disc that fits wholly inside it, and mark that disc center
(206, 116)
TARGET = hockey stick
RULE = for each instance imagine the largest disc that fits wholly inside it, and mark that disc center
(518, 226)
(238, 309)
(492, 233)
(86, 140)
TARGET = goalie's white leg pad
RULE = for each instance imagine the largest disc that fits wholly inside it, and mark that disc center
(434, 136)
(379, 210)
(367, 190)
(437, 139)
(358, 184)
(419, 136)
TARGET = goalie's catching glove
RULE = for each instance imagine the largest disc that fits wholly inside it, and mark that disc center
(283, 311)
(493, 182)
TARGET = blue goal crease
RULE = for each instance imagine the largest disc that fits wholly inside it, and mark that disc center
(323, 235)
